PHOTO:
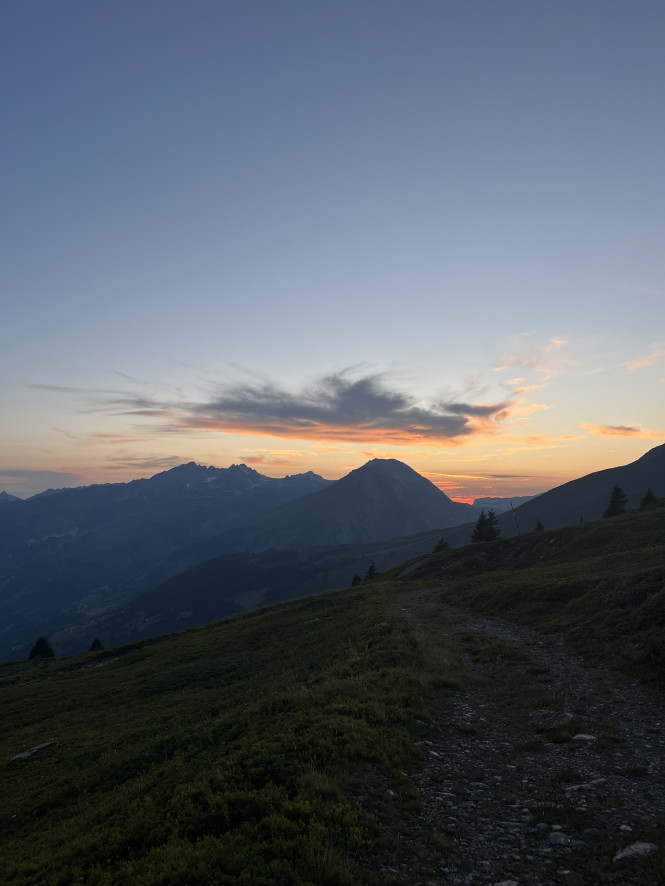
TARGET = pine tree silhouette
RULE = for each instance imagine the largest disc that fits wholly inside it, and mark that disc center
(41, 649)
(618, 502)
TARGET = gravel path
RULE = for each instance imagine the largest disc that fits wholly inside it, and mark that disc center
(539, 796)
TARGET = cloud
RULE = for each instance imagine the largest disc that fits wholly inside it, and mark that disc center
(549, 360)
(655, 357)
(277, 461)
(538, 442)
(527, 389)
(275, 458)
(528, 409)
(28, 482)
(623, 431)
(341, 407)
(145, 463)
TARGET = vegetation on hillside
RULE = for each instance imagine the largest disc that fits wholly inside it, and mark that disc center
(225, 755)
(602, 584)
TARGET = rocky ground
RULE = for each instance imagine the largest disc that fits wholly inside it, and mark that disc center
(541, 770)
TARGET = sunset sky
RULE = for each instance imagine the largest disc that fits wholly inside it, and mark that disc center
(300, 235)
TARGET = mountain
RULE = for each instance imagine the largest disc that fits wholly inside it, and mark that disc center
(383, 499)
(70, 558)
(5, 498)
(76, 552)
(105, 546)
(499, 505)
(583, 499)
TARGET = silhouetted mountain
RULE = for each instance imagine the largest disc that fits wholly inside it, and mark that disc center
(383, 499)
(583, 499)
(499, 505)
(83, 550)
(5, 498)
(70, 557)
(235, 581)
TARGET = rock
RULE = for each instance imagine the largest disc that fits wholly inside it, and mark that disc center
(556, 838)
(635, 850)
(592, 833)
(32, 752)
(583, 736)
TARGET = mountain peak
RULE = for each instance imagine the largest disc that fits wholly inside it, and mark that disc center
(7, 497)
(388, 466)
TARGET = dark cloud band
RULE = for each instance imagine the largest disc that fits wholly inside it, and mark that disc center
(340, 406)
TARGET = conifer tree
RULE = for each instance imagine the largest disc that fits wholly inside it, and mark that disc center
(648, 499)
(441, 545)
(41, 649)
(618, 502)
(487, 527)
(95, 645)
(493, 530)
(480, 529)
(539, 525)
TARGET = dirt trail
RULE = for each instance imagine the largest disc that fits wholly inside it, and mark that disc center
(540, 770)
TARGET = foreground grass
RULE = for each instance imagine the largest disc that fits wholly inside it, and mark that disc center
(225, 755)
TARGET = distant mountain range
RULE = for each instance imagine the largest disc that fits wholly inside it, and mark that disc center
(72, 555)
(499, 505)
(195, 543)
(78, 552)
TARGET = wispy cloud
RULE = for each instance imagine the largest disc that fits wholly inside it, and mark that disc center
(539, 442)
(623, 431)
(343, 407)
(278, 458)
(123, 461)
(548, 361)
(14, 478)
(655, 357)
(521, 408)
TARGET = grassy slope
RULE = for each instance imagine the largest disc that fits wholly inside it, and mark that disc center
(224, 755)
(601, 583)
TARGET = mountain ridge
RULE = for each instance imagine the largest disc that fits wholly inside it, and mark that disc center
(68, 571)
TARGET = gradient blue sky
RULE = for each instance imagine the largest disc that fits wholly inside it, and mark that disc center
(303, 234)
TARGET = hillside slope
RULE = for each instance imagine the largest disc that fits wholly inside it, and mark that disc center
(583, 499)
(601, 583)
(234, 582)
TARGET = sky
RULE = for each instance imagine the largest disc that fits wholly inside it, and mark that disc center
(300, 235)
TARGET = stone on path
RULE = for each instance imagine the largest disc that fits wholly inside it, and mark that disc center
(635, 850)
